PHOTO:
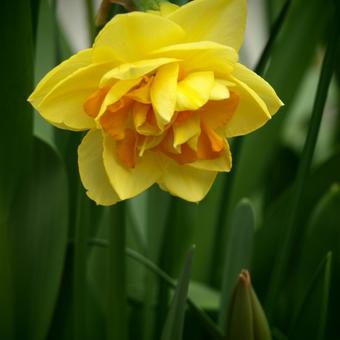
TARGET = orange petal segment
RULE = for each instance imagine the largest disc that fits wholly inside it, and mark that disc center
(126, 149)
(94, 102)
(115, 119)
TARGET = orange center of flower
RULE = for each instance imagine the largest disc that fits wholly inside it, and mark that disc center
(132, 122)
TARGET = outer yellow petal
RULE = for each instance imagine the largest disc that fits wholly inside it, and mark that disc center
(251, 112)
(92, 172)
(260, 86)
(221, 164)
(130, 182)
(105, 54)
(201, 56)
(134, 35)
(163, 92)
(134, 70)
(59, 73)
(167, 8)
(194, 90)
(185, 181)
(64, 104)
(222, 21)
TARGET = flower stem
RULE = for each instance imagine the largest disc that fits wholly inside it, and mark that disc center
(294, 229)
(117, 301)
(79, 273)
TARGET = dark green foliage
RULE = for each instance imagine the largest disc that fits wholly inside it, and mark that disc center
(72, 270)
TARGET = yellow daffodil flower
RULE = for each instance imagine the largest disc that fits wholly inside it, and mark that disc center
(160, 93)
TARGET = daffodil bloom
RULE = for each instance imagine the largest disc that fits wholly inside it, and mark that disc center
(160, 93)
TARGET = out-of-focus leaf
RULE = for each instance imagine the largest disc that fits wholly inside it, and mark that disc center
(294, 229)
(173, 328)
(268, 237)
(16, 69)
(238, 254)
(38, 233)
(204, 297)
(322, 236)
(45, 59)
(296, 49)
(314, 305)
(116, 294)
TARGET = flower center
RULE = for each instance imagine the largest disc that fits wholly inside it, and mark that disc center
(195, 130)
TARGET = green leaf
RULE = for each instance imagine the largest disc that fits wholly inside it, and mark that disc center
(116, 293)
(296, 48)
(38, 237)
(16, 69)
(173, 328)
(268, 237)
(238, 254)
(45, 59)
(294, 229)
(322, 236)
(203, 296)
(314, 305)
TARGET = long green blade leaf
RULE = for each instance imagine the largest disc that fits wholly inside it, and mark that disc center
(173, 329)
(38, 235)
(238, 254)
(294, 230)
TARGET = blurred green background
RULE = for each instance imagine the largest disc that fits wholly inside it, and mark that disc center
(61, 256)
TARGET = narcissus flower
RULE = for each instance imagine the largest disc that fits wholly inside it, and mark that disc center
(160, 93)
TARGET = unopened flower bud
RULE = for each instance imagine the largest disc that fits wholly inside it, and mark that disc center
(247, 320)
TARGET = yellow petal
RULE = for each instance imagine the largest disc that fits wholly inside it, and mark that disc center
(194, 90)
(130, 182)
(117, 91)
(105, 54)
(219, 91)
(167, 8)
(221, 164)
(134, 35)
(185, 181)
(64, 104)
(260, 86)
(163, 92)
(135, 70)
(59, 73)
(186, 129)
(201, 56)
(141, 94)
(222, 21)
(91, 169)
(250, 114)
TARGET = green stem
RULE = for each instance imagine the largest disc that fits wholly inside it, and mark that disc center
(79, 272)
(236, 147)
(117, 300)
(166, 263)
(294, 229)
